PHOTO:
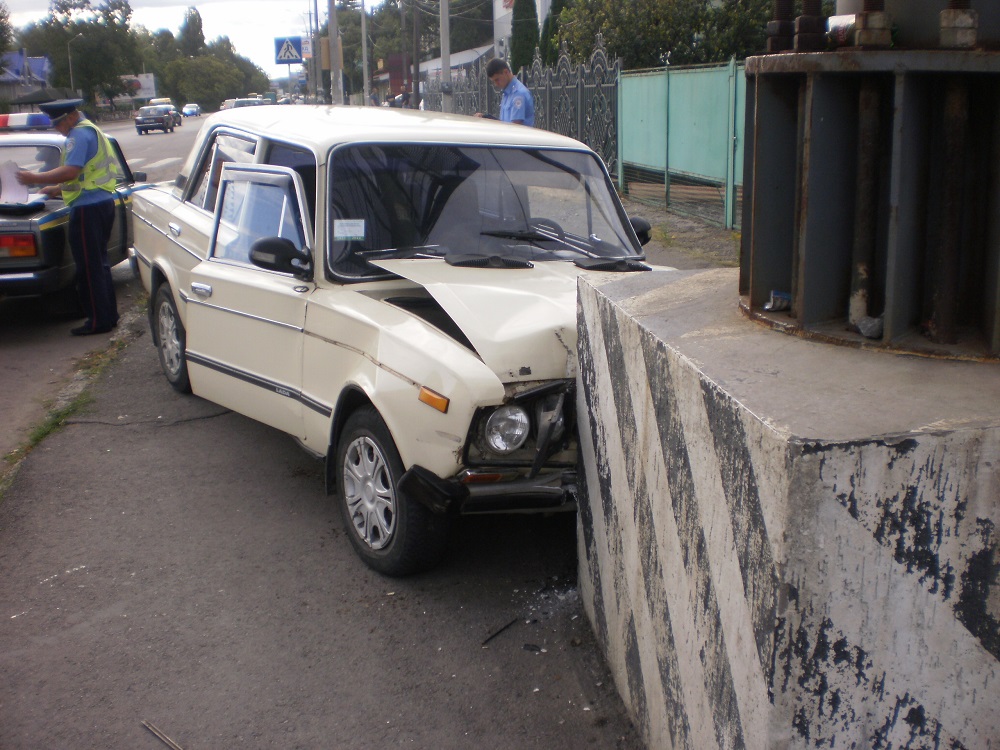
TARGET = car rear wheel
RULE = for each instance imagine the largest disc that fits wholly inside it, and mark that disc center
(170, 339)
(391, 533)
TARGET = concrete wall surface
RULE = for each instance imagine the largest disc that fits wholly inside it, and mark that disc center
(784, 543)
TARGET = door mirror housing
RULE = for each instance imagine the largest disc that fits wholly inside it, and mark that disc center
(643, 229)
(281, 255)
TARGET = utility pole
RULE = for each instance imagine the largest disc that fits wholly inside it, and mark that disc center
(333, 31)
(317, 58)
(415, 89)
(364, 52)
(445, 58)
(402, 44)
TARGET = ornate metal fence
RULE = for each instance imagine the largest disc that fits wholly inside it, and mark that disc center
(580, 101)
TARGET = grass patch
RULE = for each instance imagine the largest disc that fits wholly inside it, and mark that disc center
(71, 401)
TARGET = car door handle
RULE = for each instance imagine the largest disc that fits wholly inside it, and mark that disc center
(175, 229)
(202, 290)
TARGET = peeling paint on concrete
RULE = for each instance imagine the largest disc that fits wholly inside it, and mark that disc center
(758, 588)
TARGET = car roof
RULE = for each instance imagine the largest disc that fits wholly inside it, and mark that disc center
(33, 138)
(321, 127)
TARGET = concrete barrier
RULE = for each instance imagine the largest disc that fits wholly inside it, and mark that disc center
(785, 543)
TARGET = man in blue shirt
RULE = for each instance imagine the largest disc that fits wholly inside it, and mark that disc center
(86, 180)
(516, 103)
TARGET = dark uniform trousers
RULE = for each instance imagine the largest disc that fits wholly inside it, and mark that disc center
(89, 232)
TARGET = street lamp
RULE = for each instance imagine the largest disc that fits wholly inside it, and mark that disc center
(69, 55)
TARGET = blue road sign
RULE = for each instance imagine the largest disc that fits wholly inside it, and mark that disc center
(288, 50)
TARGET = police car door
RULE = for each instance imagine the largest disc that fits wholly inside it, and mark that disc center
(245, 323)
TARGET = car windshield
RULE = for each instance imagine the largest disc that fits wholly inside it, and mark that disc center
(470, 205)
(33, 158)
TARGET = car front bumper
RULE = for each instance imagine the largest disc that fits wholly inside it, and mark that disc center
(547, 492)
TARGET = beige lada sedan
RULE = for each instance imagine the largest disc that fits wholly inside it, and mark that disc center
(397, 291)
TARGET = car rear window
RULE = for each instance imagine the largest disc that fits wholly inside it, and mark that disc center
(33, 158)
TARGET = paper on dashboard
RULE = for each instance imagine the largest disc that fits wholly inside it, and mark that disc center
(11, 191)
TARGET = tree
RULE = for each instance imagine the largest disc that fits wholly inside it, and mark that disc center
(548, 43)
(190, 36)
(204, 79)
(103, 46)
(253, 78)
(524, 34)
(6, 30)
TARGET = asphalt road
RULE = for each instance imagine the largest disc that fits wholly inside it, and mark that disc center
(169, 562)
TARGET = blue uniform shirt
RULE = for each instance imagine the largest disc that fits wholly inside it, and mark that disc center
(516, 103)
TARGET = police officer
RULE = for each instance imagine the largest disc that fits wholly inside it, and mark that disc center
(86, 179)
(516, 103)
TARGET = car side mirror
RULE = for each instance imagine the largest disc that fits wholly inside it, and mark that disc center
(139, 176)
(643, 229)
(281, 255)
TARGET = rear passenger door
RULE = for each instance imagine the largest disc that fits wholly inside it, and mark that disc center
(245, 324)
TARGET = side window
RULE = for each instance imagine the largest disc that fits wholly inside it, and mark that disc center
(224, 149)
(254, 206)
(303, 162)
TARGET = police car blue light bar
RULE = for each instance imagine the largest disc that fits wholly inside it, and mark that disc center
(25, 121)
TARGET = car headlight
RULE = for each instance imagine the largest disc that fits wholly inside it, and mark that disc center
(507, 428)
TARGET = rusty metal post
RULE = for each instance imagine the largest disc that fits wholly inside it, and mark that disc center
(946, 263)
(865, 201)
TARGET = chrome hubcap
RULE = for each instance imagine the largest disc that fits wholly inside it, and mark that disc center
(170, 345)
(368, 492)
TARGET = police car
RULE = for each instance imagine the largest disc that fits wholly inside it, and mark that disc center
(397, 291)
(35, 259)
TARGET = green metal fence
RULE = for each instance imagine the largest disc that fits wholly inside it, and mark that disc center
(680, 139)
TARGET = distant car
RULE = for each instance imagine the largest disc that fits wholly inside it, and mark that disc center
(35, 259)
(191, 110)
(158, 117)
(250, 102)
(421, 335)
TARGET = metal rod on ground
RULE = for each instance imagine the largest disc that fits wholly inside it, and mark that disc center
(161, 736)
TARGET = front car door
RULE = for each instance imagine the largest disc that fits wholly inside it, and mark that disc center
(245, 323)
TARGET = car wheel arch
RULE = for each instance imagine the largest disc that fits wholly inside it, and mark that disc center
(351, 399)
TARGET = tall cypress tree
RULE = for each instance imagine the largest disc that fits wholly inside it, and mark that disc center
(548, 44)
(524, 34)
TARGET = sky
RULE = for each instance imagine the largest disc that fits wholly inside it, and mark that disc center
(251, 25)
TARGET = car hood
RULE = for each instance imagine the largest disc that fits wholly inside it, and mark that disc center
(522, 322)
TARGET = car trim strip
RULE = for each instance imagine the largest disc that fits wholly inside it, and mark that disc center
(261, 382)
(172, 239)
(279, 323)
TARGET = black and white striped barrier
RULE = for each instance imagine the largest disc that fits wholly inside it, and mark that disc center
(785, 543)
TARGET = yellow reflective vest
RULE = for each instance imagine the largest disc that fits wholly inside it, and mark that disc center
(100, 173)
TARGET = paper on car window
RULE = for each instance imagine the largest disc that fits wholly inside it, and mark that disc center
(348, 229)
(11, 191)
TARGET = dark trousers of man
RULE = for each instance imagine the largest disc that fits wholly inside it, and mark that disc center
(89, 232)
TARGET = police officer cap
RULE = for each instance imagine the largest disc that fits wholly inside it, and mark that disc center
(60, 108)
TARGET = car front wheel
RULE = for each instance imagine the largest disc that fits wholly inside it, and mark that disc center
(391, 533)
(170, 339)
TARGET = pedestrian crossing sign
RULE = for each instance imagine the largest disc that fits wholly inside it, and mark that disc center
(288, 50)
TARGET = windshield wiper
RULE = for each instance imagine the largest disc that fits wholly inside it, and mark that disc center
(470, 260)
(396, 253)
(530, 235)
